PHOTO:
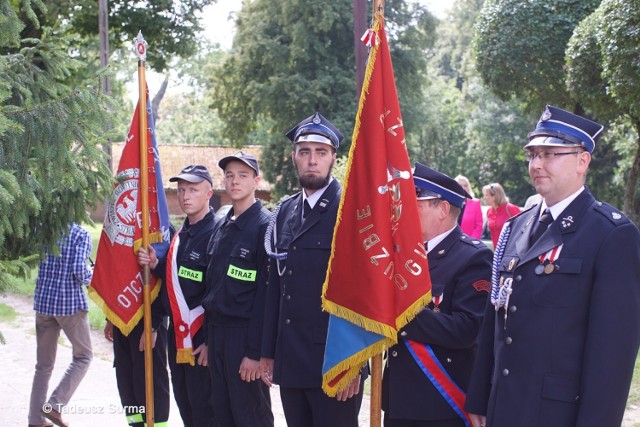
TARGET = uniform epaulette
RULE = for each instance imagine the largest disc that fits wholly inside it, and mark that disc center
(472, 241)
(611, 213)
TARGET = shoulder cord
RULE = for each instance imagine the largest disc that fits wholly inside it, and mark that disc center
(271, 232)
(500, 292)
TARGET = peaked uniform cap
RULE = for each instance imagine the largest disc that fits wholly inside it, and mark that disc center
(240, 156)
(193, 174)
(560, 128)
(315, 128)
(431, 184)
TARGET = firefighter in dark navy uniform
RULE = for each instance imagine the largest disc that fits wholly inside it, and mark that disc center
(183, 272)
(561, 335)
(295, 325)
(435, 350)
(236, 287)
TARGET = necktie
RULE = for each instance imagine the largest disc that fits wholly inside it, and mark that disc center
(541, 226)
(306, 209)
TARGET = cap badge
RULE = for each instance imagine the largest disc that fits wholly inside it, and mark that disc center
(615, 215)
(316, 120)
(567, 221)
(546, 115)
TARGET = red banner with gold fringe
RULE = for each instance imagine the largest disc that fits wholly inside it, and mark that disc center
(378, 277)
(117, 278)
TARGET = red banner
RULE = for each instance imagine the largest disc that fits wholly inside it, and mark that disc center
(117, 278)
(378, 277)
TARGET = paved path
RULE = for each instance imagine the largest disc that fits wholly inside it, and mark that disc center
(96, 402)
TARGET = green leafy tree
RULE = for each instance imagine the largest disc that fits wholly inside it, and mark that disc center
(51, 163)
(291, 58)
(603, 74)
(468, 130)
(526, 50)
(172, 25)
(521, 47)
(184, 117)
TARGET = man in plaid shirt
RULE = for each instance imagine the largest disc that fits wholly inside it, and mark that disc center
(60, 304)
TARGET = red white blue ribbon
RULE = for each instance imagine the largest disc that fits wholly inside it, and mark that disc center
(370, 38)
(433, 369)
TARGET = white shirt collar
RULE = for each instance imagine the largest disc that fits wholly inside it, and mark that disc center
(439, 238)
(557, 209)
(313, 199)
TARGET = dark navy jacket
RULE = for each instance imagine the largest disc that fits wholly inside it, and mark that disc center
(192, 255)
(565, 354)
(295, 325)
(460, 270)
(237, 274)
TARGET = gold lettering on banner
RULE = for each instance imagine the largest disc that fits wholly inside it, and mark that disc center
(366, 212)
(134, 291)
(372, 239)
(374, 258)
(384, 115)
(392, 129)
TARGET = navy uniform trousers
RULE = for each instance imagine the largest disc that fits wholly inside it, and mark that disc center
(128, 361)
(460, 271)
(295, 325)
(195, 399)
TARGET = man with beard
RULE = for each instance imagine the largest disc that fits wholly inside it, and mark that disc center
(295, 327)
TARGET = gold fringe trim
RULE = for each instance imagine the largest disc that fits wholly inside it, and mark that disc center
(413, 310)
(354, 142)
(125, 327)
(359, 320)
(351, 367)
(155, 237)
(184, 356)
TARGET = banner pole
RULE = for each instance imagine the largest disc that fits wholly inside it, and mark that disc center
(375, 419)
(143, 193)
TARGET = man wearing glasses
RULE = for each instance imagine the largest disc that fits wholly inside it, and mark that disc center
(428, 370)
(561, 335)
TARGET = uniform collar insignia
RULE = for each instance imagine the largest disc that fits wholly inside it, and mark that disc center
(566, 222)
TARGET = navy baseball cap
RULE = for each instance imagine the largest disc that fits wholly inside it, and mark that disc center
(194, 174)
(431, 184)
(315, 128)
(240, 156)
(560, 128)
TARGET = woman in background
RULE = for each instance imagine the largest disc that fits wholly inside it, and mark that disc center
(472, 221)
(500, 210)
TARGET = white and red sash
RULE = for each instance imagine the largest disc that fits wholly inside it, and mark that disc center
(186, 322)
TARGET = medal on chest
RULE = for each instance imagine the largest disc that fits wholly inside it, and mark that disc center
(436, 300)
(547, 260)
